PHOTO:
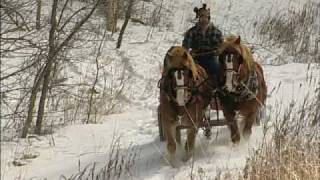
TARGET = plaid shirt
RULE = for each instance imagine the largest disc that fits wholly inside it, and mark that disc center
(195, 40)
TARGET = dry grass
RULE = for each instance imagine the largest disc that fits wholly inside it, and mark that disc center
(294, 149)
(119, 165)
(296, 31)
(293, 159)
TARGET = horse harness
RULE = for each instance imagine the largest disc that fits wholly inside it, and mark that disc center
(165, 85)
(193, 87)
(246, 89)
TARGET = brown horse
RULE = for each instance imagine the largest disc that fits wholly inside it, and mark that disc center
(244, 88)
(183, 98)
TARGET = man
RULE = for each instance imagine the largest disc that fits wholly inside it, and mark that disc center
(202, 39)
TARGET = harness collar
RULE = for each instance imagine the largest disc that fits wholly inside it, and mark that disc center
(246, 90)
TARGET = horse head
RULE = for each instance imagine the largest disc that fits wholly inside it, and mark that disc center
(180, 84)
(237, 63)
(179, 57)
(182, 77)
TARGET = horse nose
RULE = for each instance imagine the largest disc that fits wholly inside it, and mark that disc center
(180, 97)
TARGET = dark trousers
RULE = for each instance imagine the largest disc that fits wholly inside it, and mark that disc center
(211, 64)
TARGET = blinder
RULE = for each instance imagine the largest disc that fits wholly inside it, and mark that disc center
(239, 89)
(231, 72)
(180, 86)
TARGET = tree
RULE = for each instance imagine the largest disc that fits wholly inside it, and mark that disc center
(127, 18)
(32, 101)
(111, 15)
(54, 50)
(38, 14)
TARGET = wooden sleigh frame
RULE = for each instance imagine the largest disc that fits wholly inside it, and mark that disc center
(206, 124)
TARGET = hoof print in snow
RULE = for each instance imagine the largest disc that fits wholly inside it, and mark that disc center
(19, 162)
(30, 156)
(25, 159)
(187, 157)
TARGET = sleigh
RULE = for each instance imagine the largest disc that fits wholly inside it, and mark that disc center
(213, 117)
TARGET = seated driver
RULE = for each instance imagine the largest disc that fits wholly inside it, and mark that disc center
(202, 39)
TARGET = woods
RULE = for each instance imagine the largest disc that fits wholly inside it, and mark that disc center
(38, 42)
(79, 84)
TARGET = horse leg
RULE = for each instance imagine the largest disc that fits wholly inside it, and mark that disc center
(171, 143)
(178, 136)
(249, 119)
(189, 146)
(232, 124)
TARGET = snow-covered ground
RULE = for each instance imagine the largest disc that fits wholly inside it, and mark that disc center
(69, 150)
(75, 147)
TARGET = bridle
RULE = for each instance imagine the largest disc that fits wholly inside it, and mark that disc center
(177, 88)
(238, 89)
(232, 75)
(182, 93)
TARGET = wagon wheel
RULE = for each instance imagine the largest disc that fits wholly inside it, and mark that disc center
(160, 126)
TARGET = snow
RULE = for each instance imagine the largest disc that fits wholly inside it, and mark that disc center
(70, 149)
(89, 144)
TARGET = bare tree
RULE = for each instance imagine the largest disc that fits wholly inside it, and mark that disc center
(38, 14)
(93, 91)
(127, 18)
(17, 41)
(48, 66)
(32, 101)
(25, 57)
(111, 15)
(54, 49)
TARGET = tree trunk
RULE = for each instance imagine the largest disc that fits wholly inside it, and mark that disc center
(120, 9)
(38, 14)
(111, 16)
(93, 91)
(47, 70)
(123, 28)
(115, 17)
(32, 102)
(53, 51)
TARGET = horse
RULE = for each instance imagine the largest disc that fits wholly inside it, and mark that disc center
(183, 97)
(243, 89)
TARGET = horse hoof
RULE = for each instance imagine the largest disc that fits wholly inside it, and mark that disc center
(174, 164)
(235, 139)
(173, 161)
(187, 157)
(207, 134)
(246, 136)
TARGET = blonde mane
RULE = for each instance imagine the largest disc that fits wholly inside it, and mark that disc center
(230, 41)
(180, 58)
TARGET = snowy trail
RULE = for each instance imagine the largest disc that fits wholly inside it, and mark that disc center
(61, 153)
(88, 144)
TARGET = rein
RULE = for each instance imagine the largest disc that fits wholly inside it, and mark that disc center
(209, 52)
(167, 89)
(245, 88)
(205, 80)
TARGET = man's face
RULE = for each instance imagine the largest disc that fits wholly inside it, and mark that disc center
(204, 19)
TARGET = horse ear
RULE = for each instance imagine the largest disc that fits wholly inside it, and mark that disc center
(204, 5)
(238, 40)
(185, 55)
(195, 10)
